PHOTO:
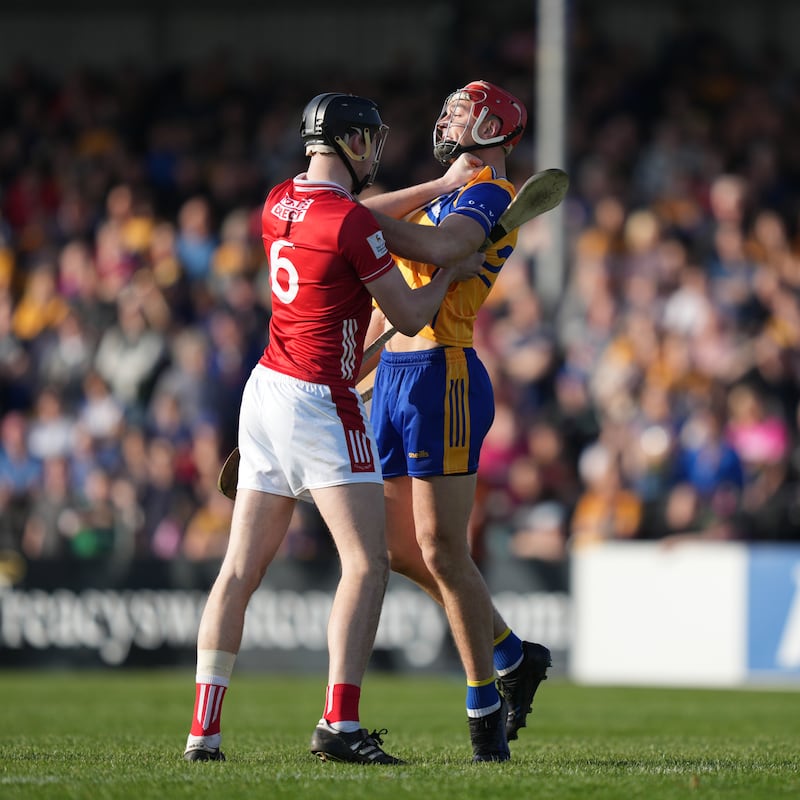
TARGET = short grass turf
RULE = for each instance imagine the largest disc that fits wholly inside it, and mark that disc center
(120, 734)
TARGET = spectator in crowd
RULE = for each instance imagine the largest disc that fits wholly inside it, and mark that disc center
(82, 287)
(40, 308)
(20, 477)
(101, 527)
(51, 428)
(705, 458)
(167, 503)
(606, 509)
(130, 355)
(43, 534)
(196, 242)
(64, 355)
(681, 515)
(207, 529)
(771, 504)
(185, 378)
(99, 412)
(16, 378)
(757, 432)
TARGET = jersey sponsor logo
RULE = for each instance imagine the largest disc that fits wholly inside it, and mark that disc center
(289, 209)
(420, 454)
(378, 244)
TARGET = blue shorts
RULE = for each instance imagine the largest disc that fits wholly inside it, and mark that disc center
(431, 411)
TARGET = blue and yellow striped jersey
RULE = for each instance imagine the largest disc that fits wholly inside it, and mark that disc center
(483, 199)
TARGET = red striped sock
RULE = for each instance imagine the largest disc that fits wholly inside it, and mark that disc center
(341, 702)
(207, 709)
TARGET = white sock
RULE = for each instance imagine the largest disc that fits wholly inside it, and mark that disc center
(344, 726)
(213, 741)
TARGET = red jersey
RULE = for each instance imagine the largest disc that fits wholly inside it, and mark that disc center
(322, 248)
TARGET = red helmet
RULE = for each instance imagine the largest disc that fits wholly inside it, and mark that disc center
(486, 100)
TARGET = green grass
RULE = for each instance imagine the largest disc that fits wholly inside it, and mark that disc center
(121, 734)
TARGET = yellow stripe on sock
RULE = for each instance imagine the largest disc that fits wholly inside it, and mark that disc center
(502, 637)
(475, 684)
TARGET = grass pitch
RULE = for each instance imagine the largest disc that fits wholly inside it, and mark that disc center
(121, 735)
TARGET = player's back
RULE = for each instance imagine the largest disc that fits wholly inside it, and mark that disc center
(316, 238)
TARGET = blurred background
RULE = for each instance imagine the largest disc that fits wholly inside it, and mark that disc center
(639, 493)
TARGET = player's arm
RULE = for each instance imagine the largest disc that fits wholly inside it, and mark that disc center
(453, 239)
(409, 310)
(401, 202)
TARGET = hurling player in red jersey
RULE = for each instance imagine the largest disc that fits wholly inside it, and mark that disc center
(432, 406)
(304, 433)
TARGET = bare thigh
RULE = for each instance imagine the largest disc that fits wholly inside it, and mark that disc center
(442, 507)
(354, 514)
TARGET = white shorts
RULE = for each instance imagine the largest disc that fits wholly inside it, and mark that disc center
(295, 436)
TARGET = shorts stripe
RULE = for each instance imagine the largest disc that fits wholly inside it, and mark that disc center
(360, 453)
(456, 413)
(359, 447)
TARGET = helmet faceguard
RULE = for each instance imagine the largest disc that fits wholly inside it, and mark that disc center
(465, 110)
(329, 120)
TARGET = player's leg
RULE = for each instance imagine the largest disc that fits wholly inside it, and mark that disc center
(406, 557)
(441, 509)
(355, 517)
(520, 666)
(258, 526)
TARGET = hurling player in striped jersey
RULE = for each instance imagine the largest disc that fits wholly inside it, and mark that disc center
(432, 405)
(304, 433)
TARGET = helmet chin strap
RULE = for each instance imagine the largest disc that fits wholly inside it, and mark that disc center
(348, 156)
(358, 185)
(459, 148)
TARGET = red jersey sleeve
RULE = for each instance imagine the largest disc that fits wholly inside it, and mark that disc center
(364, 246)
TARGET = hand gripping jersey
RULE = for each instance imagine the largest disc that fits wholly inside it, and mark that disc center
(322, 247)
(483, 199)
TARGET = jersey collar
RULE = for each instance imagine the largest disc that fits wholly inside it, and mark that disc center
(303, 184)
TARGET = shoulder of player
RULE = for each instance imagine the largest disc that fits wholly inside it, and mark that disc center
(300, 189)
(488, 177)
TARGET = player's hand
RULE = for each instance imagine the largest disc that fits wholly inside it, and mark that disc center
(465, 268)
(462, 170)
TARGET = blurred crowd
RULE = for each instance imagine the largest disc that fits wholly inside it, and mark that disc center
(657, 399)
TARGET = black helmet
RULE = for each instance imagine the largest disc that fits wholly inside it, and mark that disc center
(329, 118)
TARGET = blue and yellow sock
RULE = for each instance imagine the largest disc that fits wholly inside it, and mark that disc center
(482, 698)
(507, 652)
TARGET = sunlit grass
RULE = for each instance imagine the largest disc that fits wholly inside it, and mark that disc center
(121, 735)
